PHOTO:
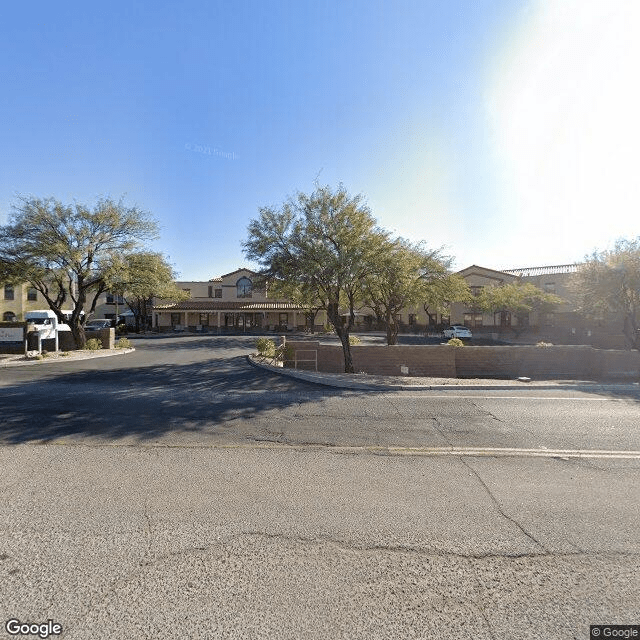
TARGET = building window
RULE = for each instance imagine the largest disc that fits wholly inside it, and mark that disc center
(8, 292)
(472, 320)
(8, 316)
(476, 290)
(32, 294)
(112, 299)
(175, 319)
(283, 319)
(204, 319)
(215, 293)
(550, 287)
(413, 320)
(548, 319)
(244, 288)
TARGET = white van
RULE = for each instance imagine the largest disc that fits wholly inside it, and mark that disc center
(46, 322)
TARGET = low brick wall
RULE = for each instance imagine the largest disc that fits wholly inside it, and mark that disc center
(571, 361)
(67, 343)
(439, 361)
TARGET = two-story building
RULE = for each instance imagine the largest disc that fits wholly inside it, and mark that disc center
(231, 302)
(16, 300)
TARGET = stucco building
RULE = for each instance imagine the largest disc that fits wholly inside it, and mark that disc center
(231, 302)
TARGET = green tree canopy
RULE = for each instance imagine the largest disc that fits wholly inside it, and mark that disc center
(518, 298)
(323, 245)
(444, 289)
(405, 274)
(610, 281)
(65, 251)
(139, 277)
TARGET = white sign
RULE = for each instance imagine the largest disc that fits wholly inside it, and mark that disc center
(11, 334)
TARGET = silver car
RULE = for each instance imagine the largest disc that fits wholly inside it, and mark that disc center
(96, 325)
(458, 331)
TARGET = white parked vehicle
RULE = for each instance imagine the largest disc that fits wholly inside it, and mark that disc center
(46, 322)
(458, 331)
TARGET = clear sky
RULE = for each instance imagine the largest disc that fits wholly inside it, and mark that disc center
(506, 131)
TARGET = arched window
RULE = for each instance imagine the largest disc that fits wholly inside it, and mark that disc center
(244, 287)
(8, 316)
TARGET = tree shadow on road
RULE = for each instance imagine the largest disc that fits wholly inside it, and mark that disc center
(148, 403)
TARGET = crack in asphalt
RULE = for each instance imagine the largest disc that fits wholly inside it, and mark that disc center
(343, 545)
(499, 506)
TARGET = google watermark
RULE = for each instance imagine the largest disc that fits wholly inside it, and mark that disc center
(209, 151)
(598, 631)
(15, 627)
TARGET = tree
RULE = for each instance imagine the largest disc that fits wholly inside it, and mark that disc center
(141, 276)
(66, 251)
(516, 298)
(444, 289)
(610, 281)
(404, 275)
(303, 297)
(322, 244)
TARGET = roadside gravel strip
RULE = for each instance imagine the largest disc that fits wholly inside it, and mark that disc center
(367, 382)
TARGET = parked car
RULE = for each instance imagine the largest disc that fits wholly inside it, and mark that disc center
(96, 325)
(458, 331)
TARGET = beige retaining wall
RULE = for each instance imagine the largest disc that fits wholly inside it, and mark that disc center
(573, 361)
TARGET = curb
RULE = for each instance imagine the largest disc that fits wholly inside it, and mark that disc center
(82, 356)
(326, 380)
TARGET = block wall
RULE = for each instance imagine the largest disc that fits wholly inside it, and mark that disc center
(572, 361)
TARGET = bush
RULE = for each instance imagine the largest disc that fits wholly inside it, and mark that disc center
(124, 343)
(455, 342)
(266, 347)
(285, 353)
(354, 340)
(93, 344)
(544, 345)
(65, 353)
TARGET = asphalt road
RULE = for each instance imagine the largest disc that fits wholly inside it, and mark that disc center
(179, 492)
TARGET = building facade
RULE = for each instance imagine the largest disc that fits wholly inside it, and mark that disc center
(16, 300)
(231, 303)
(234, 303)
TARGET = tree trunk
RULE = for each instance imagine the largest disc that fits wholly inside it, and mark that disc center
(631, 330)
(391, 327)
(333, 314)
(346, 351)
(79, 337)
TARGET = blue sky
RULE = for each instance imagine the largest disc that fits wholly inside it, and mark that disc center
(504, 130)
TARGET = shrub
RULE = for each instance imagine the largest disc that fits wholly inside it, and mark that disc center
(93, 344)
(354, 340)
(544, 345)
(65, 353)
(124, 343)
(455, 342)
(266, 347)
(285, 353)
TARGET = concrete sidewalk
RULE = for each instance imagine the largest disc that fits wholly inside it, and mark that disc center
(365, 382)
